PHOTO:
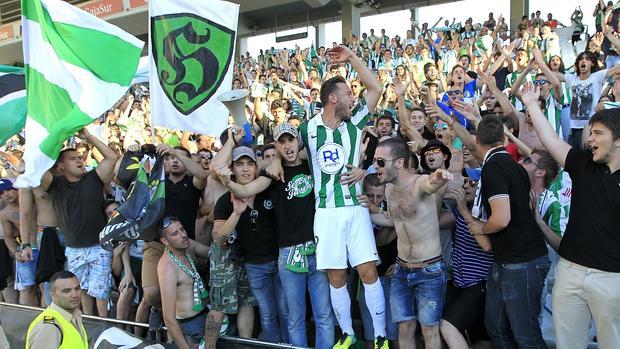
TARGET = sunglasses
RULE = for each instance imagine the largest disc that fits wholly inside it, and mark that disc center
(472, 183)
(540, 82)
(440, 126)
(454, 92)
(432, 151)
(166, 221)
(253, 217)
(381, 162)
(206, 156)
(528, 160)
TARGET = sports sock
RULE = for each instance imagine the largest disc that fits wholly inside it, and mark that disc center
(341, 303)
(375, 300)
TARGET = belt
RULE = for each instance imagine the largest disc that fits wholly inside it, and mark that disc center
(418, 265)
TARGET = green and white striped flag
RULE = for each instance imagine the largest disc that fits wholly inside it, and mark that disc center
(77, 67)
(12, 101)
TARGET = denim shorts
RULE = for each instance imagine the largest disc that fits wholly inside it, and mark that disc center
(418, 294)
(25, 272)
(193, 328)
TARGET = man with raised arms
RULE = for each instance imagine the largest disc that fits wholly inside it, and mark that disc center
(419, 279)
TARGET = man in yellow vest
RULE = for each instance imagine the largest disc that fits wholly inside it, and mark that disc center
(60, 324)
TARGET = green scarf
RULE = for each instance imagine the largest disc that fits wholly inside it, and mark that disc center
(297, 260)
(199, 289)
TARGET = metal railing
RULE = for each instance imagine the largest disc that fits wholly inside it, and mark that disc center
(229, 339)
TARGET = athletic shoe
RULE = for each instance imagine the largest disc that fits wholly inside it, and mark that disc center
(381, 343)
(345, 341)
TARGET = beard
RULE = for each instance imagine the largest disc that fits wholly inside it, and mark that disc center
(343, 112)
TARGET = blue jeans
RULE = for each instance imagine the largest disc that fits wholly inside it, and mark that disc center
(267, 289)
(294, 286)
(513, 303)
(419, 294)
(391, 327)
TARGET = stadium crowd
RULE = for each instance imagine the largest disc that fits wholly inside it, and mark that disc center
(360, 197)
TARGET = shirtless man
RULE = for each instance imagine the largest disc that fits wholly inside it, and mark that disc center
(182, 289)
(36, 206)
(24, 270)
(419, 279)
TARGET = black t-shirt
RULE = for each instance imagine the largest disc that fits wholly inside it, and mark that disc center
(500, 77)
(387, 255)
(370, 150)
(592, 236)
(293, 201)
(259, 245)
(522, 240)
(79, 209)
(182, 200)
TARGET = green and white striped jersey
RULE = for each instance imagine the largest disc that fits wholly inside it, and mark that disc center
(329, 151)
(553, 113)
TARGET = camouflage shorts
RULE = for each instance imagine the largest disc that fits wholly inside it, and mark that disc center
(229, 287)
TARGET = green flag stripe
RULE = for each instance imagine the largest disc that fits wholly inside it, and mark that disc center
(353, 134)
(338, 195)
(101, 58)
(321, 135)
(13, 118)
(61, 118)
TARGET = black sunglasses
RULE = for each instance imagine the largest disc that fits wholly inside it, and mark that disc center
(381, 162)
(253, 217)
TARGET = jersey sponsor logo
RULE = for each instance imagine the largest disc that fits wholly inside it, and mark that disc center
(300, 186)
(331, 158)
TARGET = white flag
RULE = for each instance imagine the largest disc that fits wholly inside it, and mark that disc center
(192, 55)
(77, 66)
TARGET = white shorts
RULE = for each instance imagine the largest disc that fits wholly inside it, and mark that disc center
(341, 234)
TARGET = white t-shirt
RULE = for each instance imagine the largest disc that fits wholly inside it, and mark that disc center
(585, 95)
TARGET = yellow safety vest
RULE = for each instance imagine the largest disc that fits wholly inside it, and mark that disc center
(71, 338)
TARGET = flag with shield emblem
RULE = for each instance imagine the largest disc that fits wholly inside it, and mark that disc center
(192, 55)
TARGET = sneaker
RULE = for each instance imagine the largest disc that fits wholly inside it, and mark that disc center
(203, 344)
(381, 343)
(345, 341)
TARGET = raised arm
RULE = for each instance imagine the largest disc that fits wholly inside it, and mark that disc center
(342, 54)
(503, 101)
(558, 91)
(547, 135)
(514, 89)
(105, 170)
(196, 170)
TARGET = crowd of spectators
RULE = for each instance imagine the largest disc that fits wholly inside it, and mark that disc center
(468, 102)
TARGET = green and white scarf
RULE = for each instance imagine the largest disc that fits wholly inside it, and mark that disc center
(199, 289)
(297, 260)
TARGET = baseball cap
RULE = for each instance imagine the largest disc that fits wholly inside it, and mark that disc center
(284, 128)
(474, 173)
(6, 184)
(242, 151)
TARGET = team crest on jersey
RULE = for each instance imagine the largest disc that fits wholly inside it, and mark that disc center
(331, 158)
(268, 204)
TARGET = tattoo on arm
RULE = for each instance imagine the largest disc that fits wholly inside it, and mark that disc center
(212, 330)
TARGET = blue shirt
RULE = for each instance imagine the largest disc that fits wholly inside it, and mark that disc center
(470, 264)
